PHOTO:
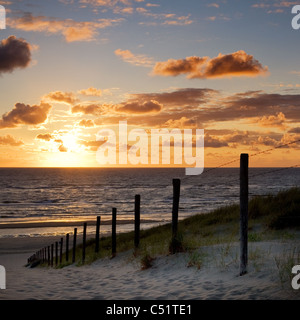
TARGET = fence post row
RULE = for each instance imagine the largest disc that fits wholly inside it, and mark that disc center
(244, 162)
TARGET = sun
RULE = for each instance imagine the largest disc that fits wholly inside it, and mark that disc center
(69, 141)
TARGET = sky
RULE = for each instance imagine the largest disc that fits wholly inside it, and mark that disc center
(70, 68)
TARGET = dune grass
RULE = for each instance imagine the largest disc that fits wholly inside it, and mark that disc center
(270, 217)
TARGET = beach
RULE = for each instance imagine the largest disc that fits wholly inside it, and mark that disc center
(172, 277)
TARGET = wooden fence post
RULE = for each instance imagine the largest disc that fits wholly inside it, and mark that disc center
(56, 253)
(244, 162)
(67, 247)
(52, 247)
(137, 212)
(114, 232)
(176, 194)
(83, 242)
(97, 234)
(74, 245)
(61, 249)
(49, 261)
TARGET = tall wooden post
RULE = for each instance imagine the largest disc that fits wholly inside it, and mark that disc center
(244, 162)
(97, 234)
(67, 247)
(61, 249)
(83, 242)
(56, 253)
(74, 245)
(49, 261)
(176, 195)
(52, 248)
(137, 212)
(114, 232)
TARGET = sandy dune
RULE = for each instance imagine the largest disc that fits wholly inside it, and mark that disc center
(169, 278)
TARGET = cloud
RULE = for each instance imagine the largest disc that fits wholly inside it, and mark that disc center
(167, 19)
(23, 114)
(45, 137)
(183, 123)
(62, 148)
(105, 3)
(70, 29)
(93, 109)
(286, 3)
(211, 142)
(9, 140)
(178, 98)
(179, 21)
(91, 92)
(92, 145)
(259, 104)
(215, 5)
(295, 130)
(14, 53)
(236, 64)
(277, 120)
(61, 97)
(86, 123)
(137, 107)
(137, 60)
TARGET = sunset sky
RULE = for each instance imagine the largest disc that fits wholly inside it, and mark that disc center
(69, 68)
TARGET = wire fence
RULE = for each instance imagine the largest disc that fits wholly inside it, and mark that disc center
(46, 254)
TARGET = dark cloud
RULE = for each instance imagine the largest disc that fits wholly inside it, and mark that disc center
(235, 64)
(181, 97)
(136, 107)
(62, 97)
(46, 136)
(23, 114)
(294, 130)
(14, 53)
(93, 109)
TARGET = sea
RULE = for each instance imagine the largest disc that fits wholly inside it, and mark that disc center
(81, 194)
